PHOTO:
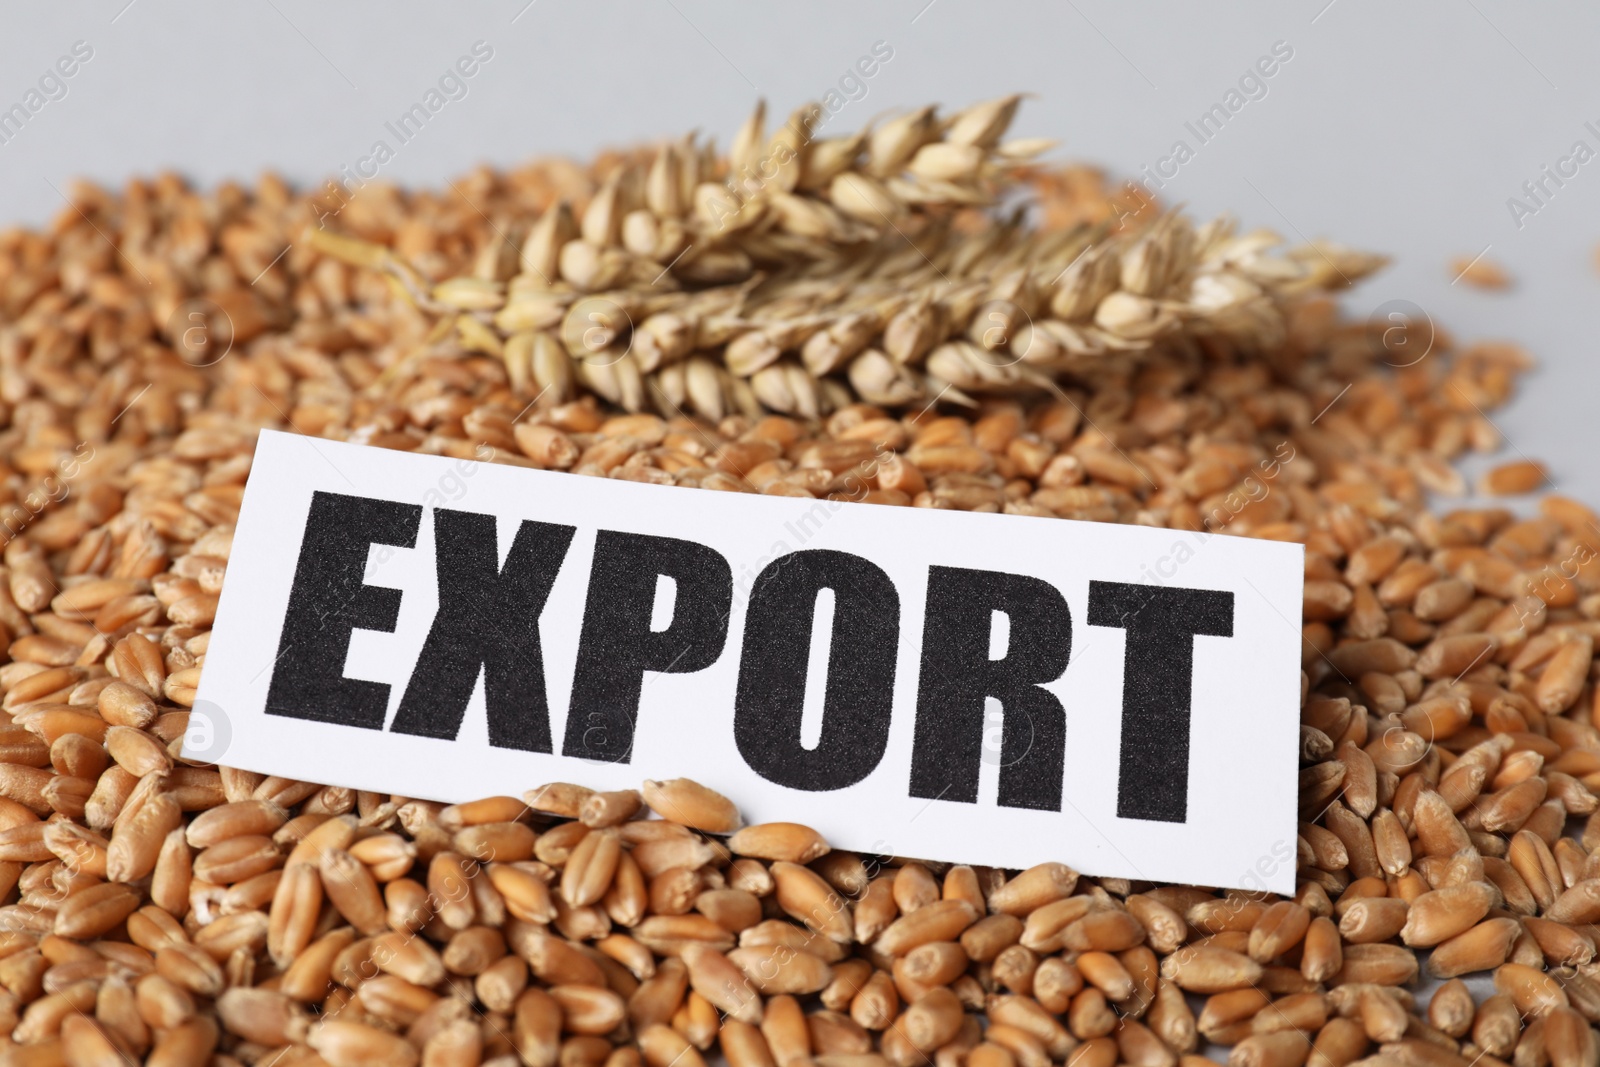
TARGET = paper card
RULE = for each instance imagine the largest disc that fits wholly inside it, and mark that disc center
(990, 689)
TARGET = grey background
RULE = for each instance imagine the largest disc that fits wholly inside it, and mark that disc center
(1403, 128)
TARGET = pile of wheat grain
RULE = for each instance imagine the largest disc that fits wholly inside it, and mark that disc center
(201, 915)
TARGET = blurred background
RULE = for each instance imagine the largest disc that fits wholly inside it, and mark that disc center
(1453, 136)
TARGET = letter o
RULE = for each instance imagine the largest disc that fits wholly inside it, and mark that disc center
(772, 670)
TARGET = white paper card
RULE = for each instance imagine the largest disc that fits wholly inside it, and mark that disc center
(990, 689)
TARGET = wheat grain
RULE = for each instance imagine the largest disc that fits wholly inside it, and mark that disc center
(1479, 272)
(168, 911)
